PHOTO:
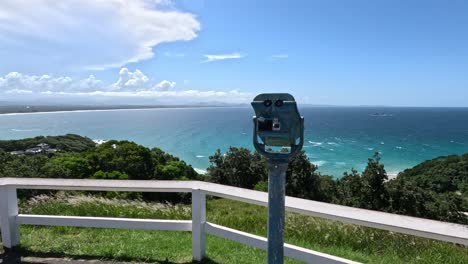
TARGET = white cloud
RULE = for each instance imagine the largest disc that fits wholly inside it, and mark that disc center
(130, 80)
(230, 56)
(131, 87)
(90, 34)
(15, 82)
(18, 91)
(89, 84)
(164, 86)
(279, 56)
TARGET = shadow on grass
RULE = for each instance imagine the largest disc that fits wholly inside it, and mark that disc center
(16, 255)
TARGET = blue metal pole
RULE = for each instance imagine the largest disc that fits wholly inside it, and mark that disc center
(276, 193)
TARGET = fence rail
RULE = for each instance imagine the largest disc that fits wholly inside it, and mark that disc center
(10, 220)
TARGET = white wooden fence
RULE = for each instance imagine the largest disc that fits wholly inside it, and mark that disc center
(10, 220)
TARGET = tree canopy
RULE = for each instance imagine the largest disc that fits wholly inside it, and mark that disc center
(435, 189)
(113, 160)
(414, 192)
(66, 143)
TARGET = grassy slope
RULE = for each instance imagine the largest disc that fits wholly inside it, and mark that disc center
(360, 244)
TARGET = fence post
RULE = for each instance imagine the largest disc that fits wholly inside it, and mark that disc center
(8, 213)
(198, 224)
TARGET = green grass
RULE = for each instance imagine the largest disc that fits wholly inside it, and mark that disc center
(357, 243)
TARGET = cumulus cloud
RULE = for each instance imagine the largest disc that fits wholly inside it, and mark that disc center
(130, 80)
(230, 56)
(90, 34)
(130, 87)
(164, 86)
(14, 82)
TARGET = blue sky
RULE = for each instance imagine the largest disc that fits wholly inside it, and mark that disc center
(401, 53)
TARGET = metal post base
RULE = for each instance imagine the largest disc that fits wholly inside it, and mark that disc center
(276, 193)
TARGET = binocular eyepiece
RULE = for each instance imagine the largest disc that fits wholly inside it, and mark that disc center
(278, 103)
(277, 125)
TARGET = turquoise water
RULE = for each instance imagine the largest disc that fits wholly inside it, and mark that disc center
(337, 138)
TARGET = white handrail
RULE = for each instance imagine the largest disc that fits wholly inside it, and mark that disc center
(10, 219)
(444, 231)
(104, 222)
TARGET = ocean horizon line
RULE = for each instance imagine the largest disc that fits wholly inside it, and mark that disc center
(135, 108)
(341, 137)
(111, 110)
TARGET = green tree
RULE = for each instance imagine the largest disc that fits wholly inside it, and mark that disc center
(238, 167)
(326, 189)
(446, 207)
(123, 156)
(215, 171)
(443, 174)
(4, 158)
(168, 167)
(66, 143)
(406, 198)
(365, 191)
(349, 189)
(70, 166)
(161, 157)
(114, 175)
(373, 189)
(302, 181)
(174, 170)
(23, 166)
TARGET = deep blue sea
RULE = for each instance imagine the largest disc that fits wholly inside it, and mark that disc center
(337, 138)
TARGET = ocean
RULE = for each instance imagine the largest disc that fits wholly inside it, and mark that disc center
(337, 139)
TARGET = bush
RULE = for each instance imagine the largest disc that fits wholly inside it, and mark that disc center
(106, 175)
(261, 186)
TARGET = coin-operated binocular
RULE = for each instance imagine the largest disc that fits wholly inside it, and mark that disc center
(280, 128)
(278, 125)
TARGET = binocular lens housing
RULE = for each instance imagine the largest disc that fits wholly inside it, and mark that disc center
(278, 103)
(278, 129)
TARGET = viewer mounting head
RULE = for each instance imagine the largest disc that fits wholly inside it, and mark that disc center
(278, 126)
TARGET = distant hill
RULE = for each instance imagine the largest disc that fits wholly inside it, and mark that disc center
(67, 143)
(443, 174)
(8, 108)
